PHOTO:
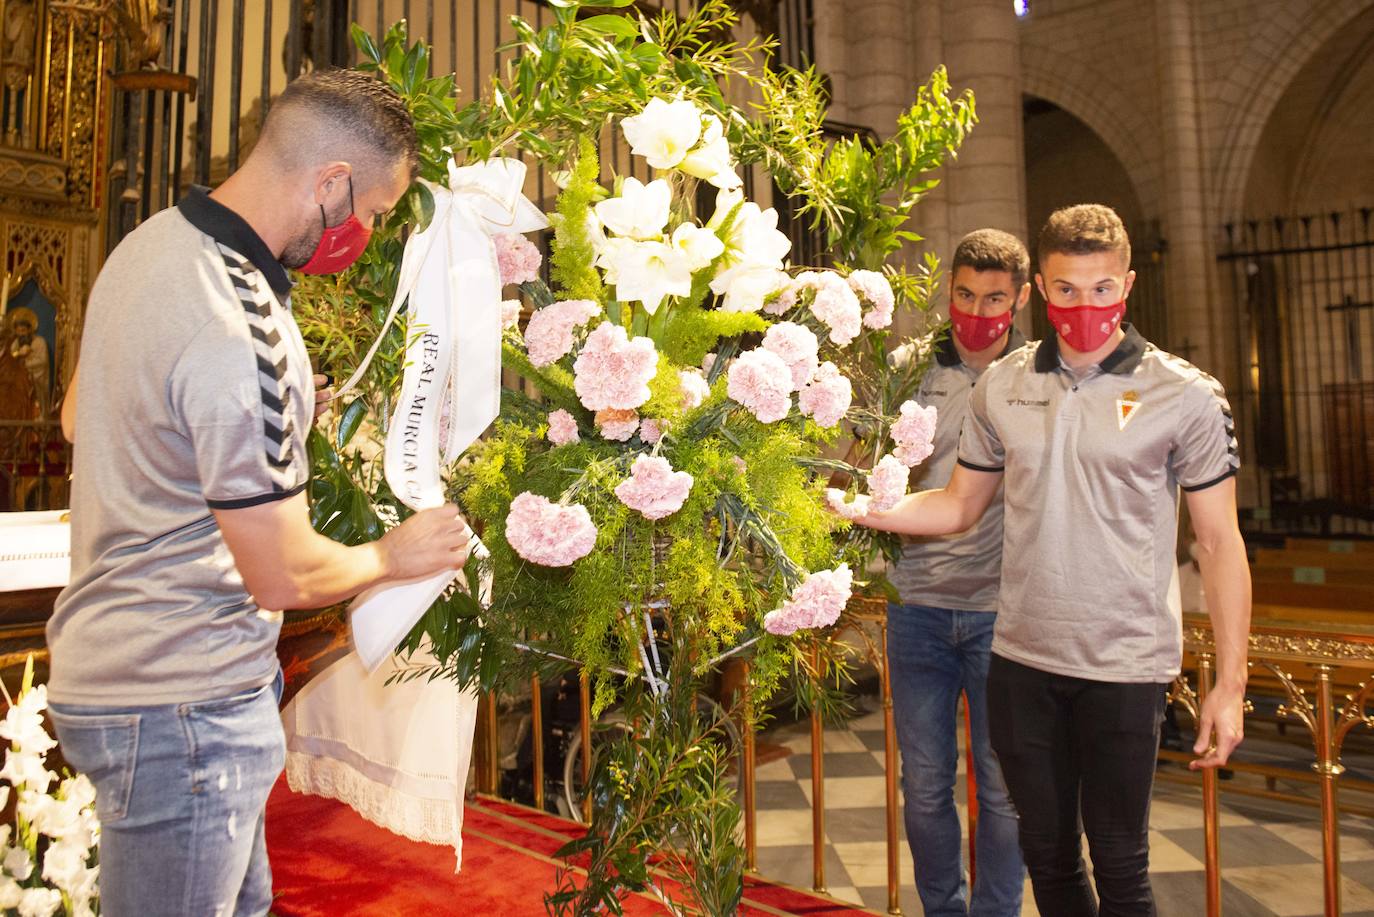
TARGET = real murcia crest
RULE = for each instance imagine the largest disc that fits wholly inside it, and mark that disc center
(1127, 406)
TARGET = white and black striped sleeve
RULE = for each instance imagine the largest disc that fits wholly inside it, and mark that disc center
(1205, 451)
(235, 404)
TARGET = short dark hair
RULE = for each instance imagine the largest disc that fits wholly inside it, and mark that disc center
(1084, 229)
(994, 250)
(339, 109)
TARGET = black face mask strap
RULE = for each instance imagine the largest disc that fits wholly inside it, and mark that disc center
(352, 208)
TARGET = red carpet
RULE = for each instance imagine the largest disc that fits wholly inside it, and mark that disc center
(328, 862)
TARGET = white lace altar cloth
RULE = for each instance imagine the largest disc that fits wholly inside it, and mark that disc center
(396, 754)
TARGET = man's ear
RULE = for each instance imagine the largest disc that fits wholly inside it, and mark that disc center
(1040, 282)
(1130, 282)
(1022, 298)
(328, 178)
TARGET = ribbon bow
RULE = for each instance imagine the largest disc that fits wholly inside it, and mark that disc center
(451, 279)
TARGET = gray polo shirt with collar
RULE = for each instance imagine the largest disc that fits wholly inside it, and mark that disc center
(958, 571)
(195, 394)
(1093, 464)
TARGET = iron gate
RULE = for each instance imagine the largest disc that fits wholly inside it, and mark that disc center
(1302, 289)
(192, 108)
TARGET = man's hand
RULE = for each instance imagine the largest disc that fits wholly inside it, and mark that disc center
(428, 542)
(324, 393)
(1221, 726)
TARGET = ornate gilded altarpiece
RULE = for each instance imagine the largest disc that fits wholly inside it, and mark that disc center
(55, 94)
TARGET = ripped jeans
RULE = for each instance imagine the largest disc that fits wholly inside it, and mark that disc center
(181, 791)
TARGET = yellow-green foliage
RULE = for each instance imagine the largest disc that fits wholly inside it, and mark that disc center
(573, 255)
(694, 331)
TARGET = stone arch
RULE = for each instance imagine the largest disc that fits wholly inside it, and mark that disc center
(1099, 104)
(1290, 39)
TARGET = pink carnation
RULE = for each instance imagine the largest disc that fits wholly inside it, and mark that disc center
(827, 397)
(549, 335)
(692, 385)
(707, 362)
(817, 602)
(837, 306)
(798, 348)
(874, 289)
(786, 299)
(510, 313)
(887, 483)
(653, 488)
(914, 433)
(848, 509)
(613, 371)
(517, 258)
(562, 428)
(761, 381)
(651, 430)
(547, 533)
(616, 424)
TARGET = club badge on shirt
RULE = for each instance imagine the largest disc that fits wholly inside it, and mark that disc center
(1126, 407)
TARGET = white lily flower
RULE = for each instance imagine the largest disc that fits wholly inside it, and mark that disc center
(745, 286)
(727, 199)
(613, 251)
(712, 160)
(664, 131)
(648, 271)
(755, 239)
(640, 212)
(700, 246)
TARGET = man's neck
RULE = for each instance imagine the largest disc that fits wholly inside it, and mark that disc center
(1077, 359)
(980, 360)
(241, 194)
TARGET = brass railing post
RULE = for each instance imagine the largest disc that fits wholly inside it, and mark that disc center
(537, 738)
(817, 790)
(1211, 816)
(894, 858)
(1328, 767)
(747, 761)
(493, 747)
(585, 701)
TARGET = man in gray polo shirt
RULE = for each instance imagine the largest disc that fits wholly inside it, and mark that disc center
(190, 528)
(1092, 432)
(940, 635)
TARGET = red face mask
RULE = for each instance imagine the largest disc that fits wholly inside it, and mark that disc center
(1086, 328)
(340, 245)
(978, 332)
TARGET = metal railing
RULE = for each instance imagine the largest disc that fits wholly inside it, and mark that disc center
(35, 465)
(1302, 292)
(1309, 665)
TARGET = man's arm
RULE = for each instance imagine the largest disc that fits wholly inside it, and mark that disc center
(955, 508)
(1226, 582)
(68, 415)
(286, 564)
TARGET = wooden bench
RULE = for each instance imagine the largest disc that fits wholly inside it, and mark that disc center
(1285, 557)
(1330, 545)
(1313, 576)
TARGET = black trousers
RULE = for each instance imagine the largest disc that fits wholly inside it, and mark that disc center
(1079, 756)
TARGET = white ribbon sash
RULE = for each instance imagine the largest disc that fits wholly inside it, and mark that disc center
(449, 275)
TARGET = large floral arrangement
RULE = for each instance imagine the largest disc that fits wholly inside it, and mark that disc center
(654, 495)
(48, 859)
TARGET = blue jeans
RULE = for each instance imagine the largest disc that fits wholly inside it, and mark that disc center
(181, 790)
(936, 654)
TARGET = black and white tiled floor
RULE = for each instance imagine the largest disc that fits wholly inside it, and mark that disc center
(1271, 851)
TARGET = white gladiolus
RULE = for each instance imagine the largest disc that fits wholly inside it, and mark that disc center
(712, 160)
(18, 863)
(23, 723)
(745, 286)
(39, 902)
(699, 246)
(11, 893)
(663, 132)
(26, 769)
(640, 212)
(649, 271)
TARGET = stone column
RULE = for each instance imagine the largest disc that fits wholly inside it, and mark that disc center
(1190, 278)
